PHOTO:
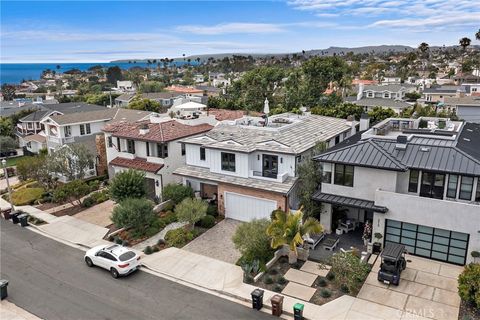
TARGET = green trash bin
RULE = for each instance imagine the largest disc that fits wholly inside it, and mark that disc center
(298, 311)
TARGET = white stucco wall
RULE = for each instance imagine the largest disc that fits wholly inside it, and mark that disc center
(449, 215)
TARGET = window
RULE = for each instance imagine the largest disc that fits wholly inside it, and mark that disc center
(432, 185)
(162, 150)
(452, 186)
(477, 194)
(413, 181)
(68, 131)
(118, 144)
(109, 142)
(130, 146)
(327, 173)
(343, 175)
(87, 126)
(337, 140)
(466, 188)
(183, 149)
(29, 125)
(147, 147)
(91, 165)
(369, 94)
(386, 95)
(82, 129)
(228, 161)
(202, 153)
(474, 89)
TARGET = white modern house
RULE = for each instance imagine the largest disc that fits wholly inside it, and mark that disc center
(150, 145)
(385, 96)
(248, 165)
(418, 185)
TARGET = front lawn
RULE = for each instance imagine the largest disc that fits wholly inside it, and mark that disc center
(13, 161)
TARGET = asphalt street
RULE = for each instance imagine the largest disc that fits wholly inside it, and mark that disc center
(50, 280)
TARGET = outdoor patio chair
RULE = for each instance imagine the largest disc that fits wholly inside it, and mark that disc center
(331, 242)
(313, 240)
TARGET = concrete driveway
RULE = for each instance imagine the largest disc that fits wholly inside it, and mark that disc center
(217, 242)
(98, 214)
(427, 289)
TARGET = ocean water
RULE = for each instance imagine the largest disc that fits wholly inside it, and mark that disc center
(15, 73)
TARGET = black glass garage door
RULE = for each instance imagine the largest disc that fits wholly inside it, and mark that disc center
(438, 244)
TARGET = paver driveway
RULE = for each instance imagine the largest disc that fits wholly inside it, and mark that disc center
(427, 288)
(217, 242)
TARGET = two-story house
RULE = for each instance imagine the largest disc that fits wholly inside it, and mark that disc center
(418, 185)
(249, 165)
(166, 99)
(385, 96)
(437, 94)
(150, 145)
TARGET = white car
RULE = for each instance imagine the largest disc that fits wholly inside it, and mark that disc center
(119, 260)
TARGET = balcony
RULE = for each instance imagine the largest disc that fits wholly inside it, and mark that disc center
(60, 141)
(268, 176)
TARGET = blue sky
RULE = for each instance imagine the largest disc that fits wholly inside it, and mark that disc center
(61, 31)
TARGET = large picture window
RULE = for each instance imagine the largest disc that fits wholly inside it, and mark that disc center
(327, 173)
(413, 181)
(228, 161)
(466, 188)
(343, 175)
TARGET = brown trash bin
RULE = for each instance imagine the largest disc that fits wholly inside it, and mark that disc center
(277, 305)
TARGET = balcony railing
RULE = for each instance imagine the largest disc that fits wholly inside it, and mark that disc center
(272, 177)
(60, 140)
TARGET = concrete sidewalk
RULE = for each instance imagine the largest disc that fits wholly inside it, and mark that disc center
(9, 311)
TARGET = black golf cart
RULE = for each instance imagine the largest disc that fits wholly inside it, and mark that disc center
(393, 263)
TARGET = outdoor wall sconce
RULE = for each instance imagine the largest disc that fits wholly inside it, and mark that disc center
(156, 183)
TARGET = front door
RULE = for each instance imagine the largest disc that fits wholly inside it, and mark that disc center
(150, 184)
(270, 166)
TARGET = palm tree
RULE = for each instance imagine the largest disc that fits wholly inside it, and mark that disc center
(287, 230)
(464, 43)
(477, 35)
(423, 47)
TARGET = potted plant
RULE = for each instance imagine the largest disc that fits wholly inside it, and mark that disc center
(367, 233)
(475, 255)
(377, 245)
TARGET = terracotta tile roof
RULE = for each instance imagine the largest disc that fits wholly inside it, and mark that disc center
(157, 132)
(137, 163)
(358, 81)
(183, 89)
(224, 114)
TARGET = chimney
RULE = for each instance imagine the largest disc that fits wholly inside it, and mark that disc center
(360, 91)
(401, 142)
(351, 122)
(364, 122)
(144, 129)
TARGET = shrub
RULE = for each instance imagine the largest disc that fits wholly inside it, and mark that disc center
(273, 272)
(100, 196)
(178, 237)
(169, 217)
(191, 210)
(277, 288)
(156, 249)
(281, 280)
(207, 222)
(322, 282)
(349, 270)
(118, 240)
(26, 196)
(212, 210)
(325, 293)
(71, 192)
(330, 276)
(134, 213)
(148, 250)
(252, 241)
(268, 280)
(125, 243)
(88, 202)
(160, 242)
(128, 184)
(344, 288)
(248, 279)
(469, 284)
(168, 206)
(177, 192)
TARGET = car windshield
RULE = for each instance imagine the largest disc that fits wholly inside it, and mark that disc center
(127, 256)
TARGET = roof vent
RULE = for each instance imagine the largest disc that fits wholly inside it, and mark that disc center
(466, 139)
(424, 149)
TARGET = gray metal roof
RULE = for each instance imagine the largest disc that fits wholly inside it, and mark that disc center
(349, 202)
(387, 87)
(382, 153)
(205, 174)
(380, 102)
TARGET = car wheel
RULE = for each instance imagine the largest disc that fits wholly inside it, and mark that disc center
(114, 273)
(89, 262)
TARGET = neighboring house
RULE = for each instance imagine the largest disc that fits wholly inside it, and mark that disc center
(166, 99)
(436, 94)
(210, 91)
(83, 127)
(188, 109)
(152, 146)
(465, 107)
(125, 86)
(249, 168)
(184, 90)
(472, 89)
(198, 78)
(417, 184)
(33, 143)
(386, 96)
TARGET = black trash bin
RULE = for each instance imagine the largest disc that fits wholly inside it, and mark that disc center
(257, 299)
(23, 219)
(15, 215)
(298, 311)
(3, 289)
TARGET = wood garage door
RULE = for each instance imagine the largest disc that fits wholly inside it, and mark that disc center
(247, 208)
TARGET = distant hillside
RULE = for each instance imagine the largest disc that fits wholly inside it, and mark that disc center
(326, 52)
